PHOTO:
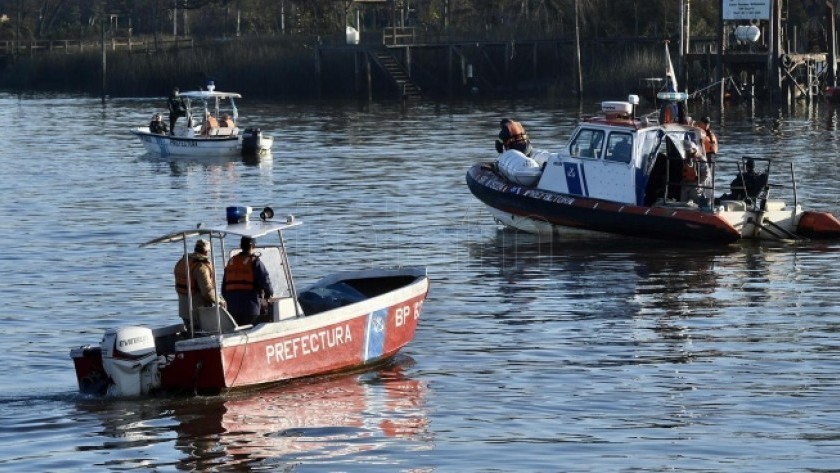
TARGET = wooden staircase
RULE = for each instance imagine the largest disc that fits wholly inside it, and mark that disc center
(389, 64)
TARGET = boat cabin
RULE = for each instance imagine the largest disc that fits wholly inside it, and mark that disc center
(621, 158)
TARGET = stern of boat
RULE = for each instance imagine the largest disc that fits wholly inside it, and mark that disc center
(90, 374)
(255, 142)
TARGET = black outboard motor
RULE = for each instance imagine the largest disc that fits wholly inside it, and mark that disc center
(251, 141)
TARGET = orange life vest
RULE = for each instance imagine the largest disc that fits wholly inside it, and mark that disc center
(239, 273)
(181, 275)
(689, 172)
(515, 132)
(668, 114)
(710, 144)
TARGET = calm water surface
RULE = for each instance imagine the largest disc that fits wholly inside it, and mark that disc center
(531, 356)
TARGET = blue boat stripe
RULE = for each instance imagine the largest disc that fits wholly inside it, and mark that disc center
(374, 344)
(583, 180)
(572, 172)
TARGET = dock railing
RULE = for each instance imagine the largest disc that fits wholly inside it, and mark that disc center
(399, 36)
(70, 46)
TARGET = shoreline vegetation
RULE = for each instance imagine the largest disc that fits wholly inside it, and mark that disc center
(305, 69)
(308, 48)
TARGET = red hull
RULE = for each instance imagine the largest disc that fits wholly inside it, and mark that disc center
(333, 347)
(819, 225)
(345, 338)
(595, 214)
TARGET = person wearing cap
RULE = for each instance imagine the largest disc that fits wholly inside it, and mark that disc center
(512, 136)
(177, 108)
(246, 285)
(157, 125)
(710, 140)
(202, 281)
(696, 179)
(747, 184)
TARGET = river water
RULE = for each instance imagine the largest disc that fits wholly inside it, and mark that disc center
(531, 355)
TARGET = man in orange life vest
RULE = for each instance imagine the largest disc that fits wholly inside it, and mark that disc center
(696, 179)
(710, 140)
(512, 136)
(246, 284)
(202, 281)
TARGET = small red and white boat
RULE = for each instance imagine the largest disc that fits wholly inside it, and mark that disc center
(344, 321)
(619, 174)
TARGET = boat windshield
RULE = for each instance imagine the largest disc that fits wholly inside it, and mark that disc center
(214, 103)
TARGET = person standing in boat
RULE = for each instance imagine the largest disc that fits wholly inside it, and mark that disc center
(710, 140)
(157, 125)
(202, 281)
(512, 136)
(177, 108)
(246, 284)
(696, 178)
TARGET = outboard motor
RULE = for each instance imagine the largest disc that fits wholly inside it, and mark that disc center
(251, 141)
(130, 360)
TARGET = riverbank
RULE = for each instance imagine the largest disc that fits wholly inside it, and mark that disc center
(282, 67)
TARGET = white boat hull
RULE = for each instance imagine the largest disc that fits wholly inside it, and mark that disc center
(197, 146)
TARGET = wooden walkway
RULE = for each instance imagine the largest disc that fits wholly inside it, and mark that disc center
(72, 46)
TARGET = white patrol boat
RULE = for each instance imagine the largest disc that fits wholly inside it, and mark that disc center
(195, 135)
(344, 321)
(623, 175)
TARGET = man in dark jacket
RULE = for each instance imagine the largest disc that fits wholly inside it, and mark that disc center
(157, 125)
(177, 108)
(246, 284)
(748, 184)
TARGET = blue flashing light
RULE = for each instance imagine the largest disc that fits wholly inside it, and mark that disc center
(237, 214)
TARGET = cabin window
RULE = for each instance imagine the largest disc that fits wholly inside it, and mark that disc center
(620, 147)
(587, 144)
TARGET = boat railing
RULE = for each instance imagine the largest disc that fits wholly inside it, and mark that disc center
(777, 185)
(724, 190)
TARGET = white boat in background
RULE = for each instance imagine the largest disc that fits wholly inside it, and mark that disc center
(344, 321)
(193, 136)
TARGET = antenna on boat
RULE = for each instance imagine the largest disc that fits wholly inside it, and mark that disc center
(633, 99)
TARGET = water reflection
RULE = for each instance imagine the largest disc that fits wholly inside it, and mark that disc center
(627, 291)
(660, 271)
(324, 419)
(183, 165)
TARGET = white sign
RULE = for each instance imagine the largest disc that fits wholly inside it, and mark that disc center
(746, 9)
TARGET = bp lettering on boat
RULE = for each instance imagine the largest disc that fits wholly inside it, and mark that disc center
(308, 344)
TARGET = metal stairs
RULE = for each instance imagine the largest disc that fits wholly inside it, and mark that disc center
(389, 64)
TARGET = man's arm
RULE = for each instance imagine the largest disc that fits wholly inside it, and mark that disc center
(263, 279)
(206, 285)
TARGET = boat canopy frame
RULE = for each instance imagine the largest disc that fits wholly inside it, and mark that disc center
(207, 97)
(248, 228)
